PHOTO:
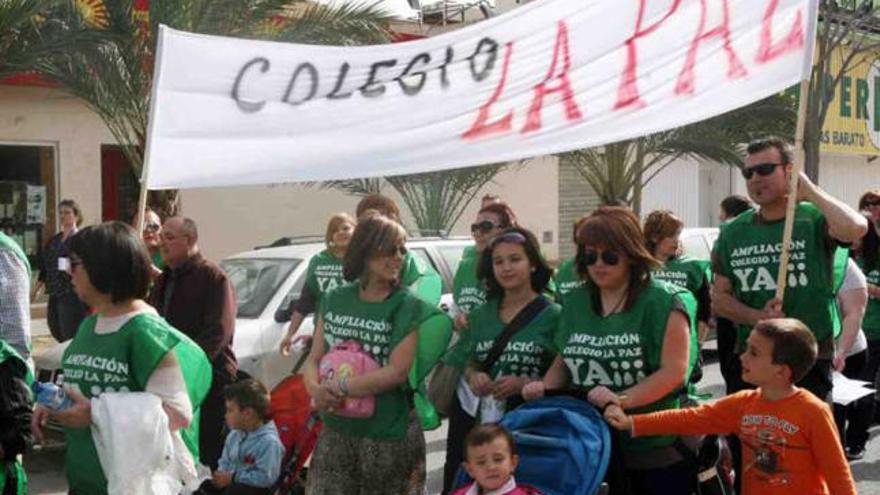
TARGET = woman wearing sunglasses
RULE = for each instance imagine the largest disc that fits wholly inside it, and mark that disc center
(870, 204)
(625, 339)
(515, 276)
(323, 273)
(385, 451)
(468, 290)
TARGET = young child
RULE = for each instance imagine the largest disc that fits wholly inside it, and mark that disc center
(490, 459)
(252, 454)
(790, 443)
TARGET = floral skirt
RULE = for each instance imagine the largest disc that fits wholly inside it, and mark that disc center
(347, 465)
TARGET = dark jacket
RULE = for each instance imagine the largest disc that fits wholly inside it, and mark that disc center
(198, 299)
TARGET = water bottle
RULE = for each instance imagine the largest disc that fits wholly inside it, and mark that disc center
(51, 396)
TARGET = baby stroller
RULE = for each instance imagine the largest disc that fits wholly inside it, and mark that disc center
(298, 427)
(563, 443)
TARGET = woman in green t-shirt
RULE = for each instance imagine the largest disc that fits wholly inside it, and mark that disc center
(515, 274)
(625, 339)
(567, 276)
(383, 453)
(662, 231)
(124, 347)
(323, 273)
(867, 251)
(468, 291)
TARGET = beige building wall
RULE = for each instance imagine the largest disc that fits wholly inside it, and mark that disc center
(50, 117)
(235, 219)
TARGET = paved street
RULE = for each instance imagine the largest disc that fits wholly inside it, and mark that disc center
(45, 467)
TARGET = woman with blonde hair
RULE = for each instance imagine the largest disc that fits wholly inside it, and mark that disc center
(324, 273)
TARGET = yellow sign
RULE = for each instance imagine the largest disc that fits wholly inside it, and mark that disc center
(852, 124)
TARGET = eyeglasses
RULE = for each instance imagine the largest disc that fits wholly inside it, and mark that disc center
(591, 256)
(872, 202)
(152, 227)
(484, 226)
(762, 169)
(73, 263)
(401, 250)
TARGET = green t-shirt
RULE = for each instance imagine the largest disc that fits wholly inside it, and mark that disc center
(624, 348)
(324, 273)
(157, 260)
(468, 291)
(567, 278)
(379, 327)
(683, 271)
(123, 361)
(871, 322)
(422, 278)
(529, 352)
(8, 353)
(748, 252)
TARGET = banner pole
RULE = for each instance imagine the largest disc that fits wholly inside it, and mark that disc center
(151, 124)
(798, 166)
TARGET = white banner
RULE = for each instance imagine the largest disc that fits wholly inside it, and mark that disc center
(547, 77)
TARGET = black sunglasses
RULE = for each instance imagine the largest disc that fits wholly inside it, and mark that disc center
(610, 258)
(391, 251)
(872, 202)
(762, 169)
(484, 226)
(152, 227)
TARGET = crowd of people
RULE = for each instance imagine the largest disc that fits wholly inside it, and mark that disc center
(619, 325)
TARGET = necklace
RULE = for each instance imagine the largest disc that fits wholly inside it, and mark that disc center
(616, 307)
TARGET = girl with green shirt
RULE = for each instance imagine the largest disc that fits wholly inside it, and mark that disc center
(124, 347)
(514, 274)
(468, 290)
(323, 273)
(625, 339)
(384, 453)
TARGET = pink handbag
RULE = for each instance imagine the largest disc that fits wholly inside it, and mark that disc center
(348, 359)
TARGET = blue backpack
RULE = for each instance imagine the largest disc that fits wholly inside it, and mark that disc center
(564, 446)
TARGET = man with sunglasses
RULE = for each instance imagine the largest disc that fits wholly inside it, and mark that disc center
(746, 258)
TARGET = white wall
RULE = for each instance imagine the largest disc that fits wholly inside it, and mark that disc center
(51, 117)
(848, 177)
(676, 188)
(234, 219)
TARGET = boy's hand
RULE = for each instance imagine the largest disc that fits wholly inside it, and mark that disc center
(615, 417)
(221, 479)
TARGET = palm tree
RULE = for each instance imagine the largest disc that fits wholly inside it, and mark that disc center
(619, 171)
(114, 77)
(31, 29)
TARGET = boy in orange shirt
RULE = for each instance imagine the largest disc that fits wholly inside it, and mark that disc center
(790, 443)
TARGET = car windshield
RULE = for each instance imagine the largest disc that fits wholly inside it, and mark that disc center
(256, 280)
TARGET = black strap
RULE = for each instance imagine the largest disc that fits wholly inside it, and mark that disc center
(525, 315)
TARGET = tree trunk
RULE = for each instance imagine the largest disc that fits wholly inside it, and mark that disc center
(637, 182)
